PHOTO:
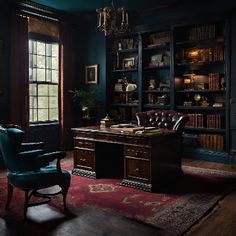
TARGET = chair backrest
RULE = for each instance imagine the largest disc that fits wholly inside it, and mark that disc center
(162, 119)
(10, 141)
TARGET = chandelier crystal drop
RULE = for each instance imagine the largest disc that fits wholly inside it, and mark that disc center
(112, 21)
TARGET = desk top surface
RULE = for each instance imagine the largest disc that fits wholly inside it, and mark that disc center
(124, 131)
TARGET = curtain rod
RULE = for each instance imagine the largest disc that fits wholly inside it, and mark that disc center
(33, 9)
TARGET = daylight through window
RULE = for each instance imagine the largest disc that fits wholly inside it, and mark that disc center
(43, 81)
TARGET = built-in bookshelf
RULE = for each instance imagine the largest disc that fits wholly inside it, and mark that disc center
(123, 79)
(156, 63)
(184, 68)
(200, 69)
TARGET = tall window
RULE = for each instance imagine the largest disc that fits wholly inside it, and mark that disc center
(43, 81)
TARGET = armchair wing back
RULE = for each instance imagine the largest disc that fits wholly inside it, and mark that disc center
(162, 119)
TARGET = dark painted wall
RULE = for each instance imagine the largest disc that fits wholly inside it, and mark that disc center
(92, 50)
(232, 85)
(4, 76)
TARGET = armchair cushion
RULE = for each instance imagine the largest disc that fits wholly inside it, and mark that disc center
(162, 119)
(42, 178)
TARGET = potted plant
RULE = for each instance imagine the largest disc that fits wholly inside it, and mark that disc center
(85, 100)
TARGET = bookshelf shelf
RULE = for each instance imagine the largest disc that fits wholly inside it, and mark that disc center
(199, 108)
(133, 50)
(156, 106)
(124, 105)
(201, 91)
(124, 70)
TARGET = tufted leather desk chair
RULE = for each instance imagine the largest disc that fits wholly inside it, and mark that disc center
(162, 119)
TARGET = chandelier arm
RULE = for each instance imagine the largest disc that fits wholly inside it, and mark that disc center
(112, 21)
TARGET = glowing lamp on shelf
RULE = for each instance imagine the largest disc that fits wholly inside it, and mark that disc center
(112, 21)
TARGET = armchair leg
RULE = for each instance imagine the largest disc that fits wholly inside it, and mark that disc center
(64, 194)
(26, 204)
(9, 194)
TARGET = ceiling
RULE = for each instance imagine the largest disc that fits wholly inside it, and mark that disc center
(90, 5)
(76, 6)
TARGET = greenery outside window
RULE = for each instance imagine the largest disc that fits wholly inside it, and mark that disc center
(43, 81)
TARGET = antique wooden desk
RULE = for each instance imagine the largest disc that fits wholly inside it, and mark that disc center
(145, 161)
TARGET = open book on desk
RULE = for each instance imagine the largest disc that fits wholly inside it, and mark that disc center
(134, 128)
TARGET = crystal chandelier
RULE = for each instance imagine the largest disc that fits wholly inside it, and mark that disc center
(112, 21)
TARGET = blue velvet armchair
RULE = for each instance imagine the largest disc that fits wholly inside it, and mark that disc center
(29, 168)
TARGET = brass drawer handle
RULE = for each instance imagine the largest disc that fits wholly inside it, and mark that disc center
(137, 170)
(82, 159)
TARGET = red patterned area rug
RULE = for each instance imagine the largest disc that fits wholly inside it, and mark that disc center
(173, 210)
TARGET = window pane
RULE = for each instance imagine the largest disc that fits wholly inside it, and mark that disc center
(34, 78)
(53, 102)
(30, 60)
(30, 74)
(34, 47)
(33, 102)
(42, 114)
(40, 74)
(55, 63)
(53, 114)
(43, 102)
(53, 90)
(41, 61)
(32, 89)
(49, 62)
(34, 61)
(33, 115)
(30, 46)
(55, 76)
(40, 48)
(42, 90)
(49, 75)
(48, 49)
(55, 50)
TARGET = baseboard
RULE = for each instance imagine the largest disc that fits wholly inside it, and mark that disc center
(209, 155)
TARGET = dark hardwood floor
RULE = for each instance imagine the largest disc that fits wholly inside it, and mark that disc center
(220, 221)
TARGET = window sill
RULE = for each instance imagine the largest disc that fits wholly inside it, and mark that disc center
(46, 124)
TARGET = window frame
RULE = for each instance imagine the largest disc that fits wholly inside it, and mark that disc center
(45, 39)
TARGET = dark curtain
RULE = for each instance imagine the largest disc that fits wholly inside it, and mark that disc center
(67, 82)
(19, 72)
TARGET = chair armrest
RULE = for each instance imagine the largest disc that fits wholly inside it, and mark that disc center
(30, 154)
(36, 159)
(51, 156)
(31, 146)
(180, 123)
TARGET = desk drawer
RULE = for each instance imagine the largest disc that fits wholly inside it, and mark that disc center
(137, 141)
(110, 138)
(138, 152)
(84, 159)
(84, 135)
(84, 143)
(137, 170)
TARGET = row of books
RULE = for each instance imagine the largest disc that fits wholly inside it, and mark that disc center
(214, 81)
(218, 54)
(212, 141)
(197, 121)
(202, 32)
(214, 121)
